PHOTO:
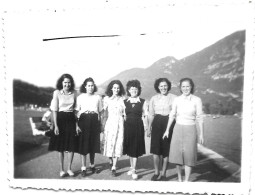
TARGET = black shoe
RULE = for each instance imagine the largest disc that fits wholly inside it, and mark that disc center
(94, 170)
(83, 173)
(162, 178)
(154, 177)
(114, 173)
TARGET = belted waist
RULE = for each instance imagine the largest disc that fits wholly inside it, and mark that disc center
(89, 112)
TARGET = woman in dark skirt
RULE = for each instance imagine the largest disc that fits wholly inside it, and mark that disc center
(88, 107)
(62, 106)
(159, 109)
(135, 117)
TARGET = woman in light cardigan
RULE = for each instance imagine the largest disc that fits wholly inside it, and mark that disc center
(186, 109)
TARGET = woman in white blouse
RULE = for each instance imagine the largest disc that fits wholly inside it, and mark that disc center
(64, 138)
(88, 107)
(186, 109)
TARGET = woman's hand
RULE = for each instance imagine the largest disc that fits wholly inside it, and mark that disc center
(78, 130)
(56, 130)
(201, 139)
(166, 134)
(149, 131)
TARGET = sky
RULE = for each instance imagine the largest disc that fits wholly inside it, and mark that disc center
(144, 36)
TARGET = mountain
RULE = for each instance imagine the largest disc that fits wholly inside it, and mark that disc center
(217, 71)
(25, 93)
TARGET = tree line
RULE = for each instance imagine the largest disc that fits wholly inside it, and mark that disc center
(26, 93)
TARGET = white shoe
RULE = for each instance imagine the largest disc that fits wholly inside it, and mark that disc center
(62, 174)
(70, 173)
(130, 171)
(134, 175)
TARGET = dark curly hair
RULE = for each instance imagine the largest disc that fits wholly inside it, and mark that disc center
(59, 84)
(191, 84)
(83, 89)
(110, 86)
(134, 83)
(158, 81)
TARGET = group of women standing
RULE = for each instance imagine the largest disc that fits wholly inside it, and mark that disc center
(79, 120)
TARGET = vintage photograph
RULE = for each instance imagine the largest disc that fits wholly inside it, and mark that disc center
(129, 97)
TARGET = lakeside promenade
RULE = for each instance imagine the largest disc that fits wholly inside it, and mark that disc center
(211, 167)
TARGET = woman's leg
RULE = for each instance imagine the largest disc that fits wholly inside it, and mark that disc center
(113, 169)
(131, 162)
(134, 175)
(70, 160)
(179, 172)
(188, 170)
(83, 161)
(61, 160)
(115, 159)
(110, 163)
(165, 165)
(92, 163)
(134, 163)
(92, 159)
(83, 165)
(156, 163)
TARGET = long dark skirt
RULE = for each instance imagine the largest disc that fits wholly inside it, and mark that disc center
(134, 144)
(89, 138)
(160, 146)
(67, 139)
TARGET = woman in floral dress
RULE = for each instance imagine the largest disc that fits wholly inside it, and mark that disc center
(113, 121)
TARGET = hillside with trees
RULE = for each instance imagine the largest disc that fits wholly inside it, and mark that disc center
(25, 94)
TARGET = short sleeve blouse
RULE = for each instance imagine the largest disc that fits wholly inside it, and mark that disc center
(63, 102)
(88, 103)
(161, 104)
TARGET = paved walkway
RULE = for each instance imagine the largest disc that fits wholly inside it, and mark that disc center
(211, 167)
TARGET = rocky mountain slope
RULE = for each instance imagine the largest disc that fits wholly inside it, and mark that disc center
(217, 71)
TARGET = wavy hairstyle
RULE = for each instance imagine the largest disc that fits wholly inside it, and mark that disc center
(158, 81)
(134, 83)
(190, 82)
(59, 84)
(110, 86)
(83, 89)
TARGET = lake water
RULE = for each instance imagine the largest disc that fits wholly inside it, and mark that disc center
(223, 135)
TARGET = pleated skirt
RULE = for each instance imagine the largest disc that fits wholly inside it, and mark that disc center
(67, 139)
(89, 138)
(133, 144)
(183, 148)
